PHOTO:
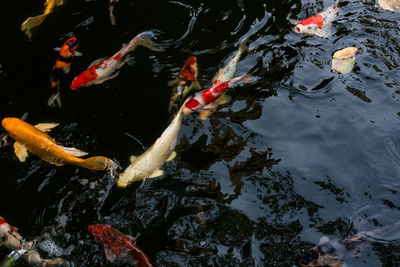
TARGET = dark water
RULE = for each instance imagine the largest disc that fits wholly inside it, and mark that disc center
(304, 152)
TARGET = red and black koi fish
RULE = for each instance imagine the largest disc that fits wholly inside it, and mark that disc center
(203, 101)
(118, 245)
(62, 66)
(186, 81)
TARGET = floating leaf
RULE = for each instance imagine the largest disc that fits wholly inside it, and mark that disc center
(391, 5)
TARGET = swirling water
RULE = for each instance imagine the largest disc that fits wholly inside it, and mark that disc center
(304, 152)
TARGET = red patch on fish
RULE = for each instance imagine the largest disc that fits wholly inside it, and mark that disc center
(85, 77)
(2, 221)
(119, 245)
(118, 56)
(318, 19)
(192, 103)
(188, 72)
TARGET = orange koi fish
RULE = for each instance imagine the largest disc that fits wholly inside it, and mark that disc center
(186, 81)
(35, 140)
(62, 67)
(32, 22)
(319, 24)
(102, 69)
(118, 245)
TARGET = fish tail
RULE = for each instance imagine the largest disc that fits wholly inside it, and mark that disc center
(32, 22)
(145, 39)
(243, 47)
(99, 163)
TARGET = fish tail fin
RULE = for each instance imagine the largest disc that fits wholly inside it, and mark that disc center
(56, 97)
(32, 22)
(100, 163)
(244, 79)
(243, 47)
(337, 3)
(145, 39)
(112, 17)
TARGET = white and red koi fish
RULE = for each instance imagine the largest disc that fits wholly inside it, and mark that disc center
(331, 253)
(102, 69)
(118, 245)
(10, 238)
(320, 24)
(204, 101)
(62, 67)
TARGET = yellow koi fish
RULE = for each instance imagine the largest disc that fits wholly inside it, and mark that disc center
(35, 140)
(32, 22)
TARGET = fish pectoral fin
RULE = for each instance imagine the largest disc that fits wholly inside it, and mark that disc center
(46, 127)
(172, 156)
(324, 239)
(197, 85)
(96, 61)
(99, 81)
(324, 32)
(204, 115)
(132, 159)
(224, 99)
(21, 151)
(156, 173)
(110, 255)
(73, 151)
(293, 21)
(173, 82)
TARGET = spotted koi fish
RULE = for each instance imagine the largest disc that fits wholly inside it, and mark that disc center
(186, 82)
(204, 101)
(62, 67)
(118, 245)
(35, 140)
(320, 24)
(105, 69)
(331, 253)
(32, 22)
(11, 239)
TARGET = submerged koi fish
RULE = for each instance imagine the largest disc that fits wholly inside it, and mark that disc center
(320, 24)
(62, 67)
(32, 22)
(186, 82)
(332, 252)
(224, 75)
(204, 101)
(10, 238)
(391, 5)
(148, 164)
(111, 11)
(104, 69)
(118, 245)
(35, 140)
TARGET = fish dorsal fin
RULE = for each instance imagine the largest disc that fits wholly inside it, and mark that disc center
(133, 158)
(324, 239)
(96, 61)
(172, 156)
(110, 255)
(73, 151)
(21, 151)
(46, 127)
(156, 173)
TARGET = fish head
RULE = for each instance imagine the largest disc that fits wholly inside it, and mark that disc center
(321, 255)
(191, 105)
(72, 44)
(84, 79)
(10, 123)
(9, 236)
(308, 29)
(104, 233)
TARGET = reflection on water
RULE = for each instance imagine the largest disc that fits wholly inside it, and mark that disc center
(304, 152)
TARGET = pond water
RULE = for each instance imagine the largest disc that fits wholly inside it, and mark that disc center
(302, 153)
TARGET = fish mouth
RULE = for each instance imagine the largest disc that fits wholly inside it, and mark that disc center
(297, 29)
